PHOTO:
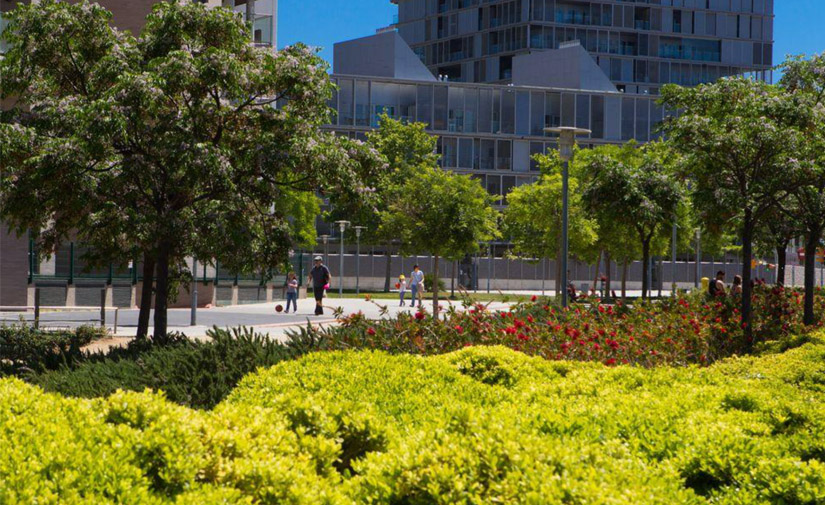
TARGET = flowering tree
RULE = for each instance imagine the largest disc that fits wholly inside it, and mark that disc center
(734, 137)
(637, 189)
(804, 80)
(443, 213)
(188, 141)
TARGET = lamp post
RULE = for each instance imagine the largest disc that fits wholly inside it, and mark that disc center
(358, 258)
(342, 226)
(567, 139)
(673, 255)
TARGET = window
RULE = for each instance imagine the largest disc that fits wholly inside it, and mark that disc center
(465, 153)
(456, 112)
(642, 120)
(552, 109)
(583, 111)
(503, 155)
(537, 113)
(424, 110)
(362, 103)
(522, 113)
(384, 101)
(345, 102)
(568, 106)
(450, 152)
(628, 116)
(487, 156)
(508, 108)
(485, 110)
(440, 108)
(597, 116)
(470, 109)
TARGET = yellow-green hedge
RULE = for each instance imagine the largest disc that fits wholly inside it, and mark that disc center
(481, 425)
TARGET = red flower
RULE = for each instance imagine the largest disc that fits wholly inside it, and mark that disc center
(370, 331)
(610, 362)
(419, 315)
(534, 298)
(459, 329)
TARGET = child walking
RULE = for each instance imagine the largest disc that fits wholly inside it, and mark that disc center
(292, 292)
(402, 288)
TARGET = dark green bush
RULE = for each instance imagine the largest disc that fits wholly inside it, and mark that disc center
(194, 373)
(25, 348)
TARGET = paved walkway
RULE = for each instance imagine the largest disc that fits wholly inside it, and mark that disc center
(261, 316)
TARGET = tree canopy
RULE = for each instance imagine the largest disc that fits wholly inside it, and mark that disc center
(734, 136)
(186, 141)
(443, 213)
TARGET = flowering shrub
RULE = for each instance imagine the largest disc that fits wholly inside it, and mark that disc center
(482, 425)
(683, 330)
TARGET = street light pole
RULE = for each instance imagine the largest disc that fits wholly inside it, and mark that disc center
(567, 139)
(193, 317)
(358, 258)
(342, 226)
(673, 255)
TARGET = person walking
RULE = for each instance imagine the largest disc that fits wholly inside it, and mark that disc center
(320, 277)
(402, 289)
(416, 285)
(291, 292)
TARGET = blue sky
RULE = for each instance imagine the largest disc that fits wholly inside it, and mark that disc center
(799, 26)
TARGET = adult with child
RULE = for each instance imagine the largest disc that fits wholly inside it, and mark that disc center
(716, 287)
(320, 278)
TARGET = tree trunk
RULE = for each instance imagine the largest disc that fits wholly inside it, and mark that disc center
(782, 261)
(598, 273)
(607, 272)
(624, 278)
(162, 293)
(645, 269)
(452, 281)
(388, 273)
(747, 289)
(435, 287)
(811, 241)
(146, 295)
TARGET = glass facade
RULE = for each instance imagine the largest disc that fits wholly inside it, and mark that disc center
(640, 44)
(492, 130)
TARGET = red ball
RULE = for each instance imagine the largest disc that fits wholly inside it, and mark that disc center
(279, 308)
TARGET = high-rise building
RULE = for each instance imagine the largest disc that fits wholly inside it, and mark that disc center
(639, 44)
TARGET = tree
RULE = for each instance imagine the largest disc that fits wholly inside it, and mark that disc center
(443, 213)
(732, 134)
(188, 141)
(804, 82)
(532, 220)
(404, 147)
(637, 189)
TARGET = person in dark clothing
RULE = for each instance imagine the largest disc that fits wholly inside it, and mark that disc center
(716, 287)
(319, 277)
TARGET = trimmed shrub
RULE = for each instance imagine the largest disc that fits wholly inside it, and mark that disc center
(24, 348)
(480, 425)
(195, 373)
